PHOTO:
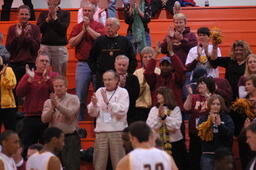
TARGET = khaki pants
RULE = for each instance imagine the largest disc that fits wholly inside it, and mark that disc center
(107, 142)
(58, 56)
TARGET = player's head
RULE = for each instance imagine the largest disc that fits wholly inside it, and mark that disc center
(54, 137)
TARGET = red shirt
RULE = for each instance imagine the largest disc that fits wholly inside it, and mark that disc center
(84, 47)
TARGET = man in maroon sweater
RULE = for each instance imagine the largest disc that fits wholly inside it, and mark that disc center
(36, 87)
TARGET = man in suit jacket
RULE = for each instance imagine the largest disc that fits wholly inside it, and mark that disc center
(251, 140)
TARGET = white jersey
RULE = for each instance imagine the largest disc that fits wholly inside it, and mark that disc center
(9, 163)
(39, 161)
(155, 159)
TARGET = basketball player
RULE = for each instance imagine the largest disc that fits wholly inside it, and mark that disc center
(45, 159)
(144, 156)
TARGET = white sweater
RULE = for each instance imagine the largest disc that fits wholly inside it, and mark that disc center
(111, 117)
(173, 122)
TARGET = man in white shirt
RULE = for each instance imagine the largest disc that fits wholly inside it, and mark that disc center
(10, 144)
(144, 156)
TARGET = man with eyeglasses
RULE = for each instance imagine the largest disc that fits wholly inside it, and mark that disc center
(23, 42)
(53, 25)
(35, 86)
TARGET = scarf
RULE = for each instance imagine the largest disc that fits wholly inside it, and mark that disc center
(138, 30)
(165, 136)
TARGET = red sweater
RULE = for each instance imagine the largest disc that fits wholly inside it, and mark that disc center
(173, 81)
(35, 93)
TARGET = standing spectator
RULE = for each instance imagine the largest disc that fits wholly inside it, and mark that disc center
(99, 15)
(10, 144)
(46, 158)
(199, 56)
(3, 51)
(112, 7)
(6, 9)
(61, 111)
(144, 101)
(82, 38)
(109, 105)
(172, 75)
(216, 130)
(196, 104)
(234, 64)
(36, 87)
(184, 40)
(130, 82)
(165, 118)
(53, 25)
(7, 104)
(250, 68)
(23, 42)
(137, 16)
(105, 50)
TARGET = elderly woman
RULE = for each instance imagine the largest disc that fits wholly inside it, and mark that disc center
(144, 102)
(234, 64)
(180, 33)
(137, 16)
(165, 118)
(250, 68)
(215, 130)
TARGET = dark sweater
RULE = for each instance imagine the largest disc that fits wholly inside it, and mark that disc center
(221, 139)
(54, 32)
(233, 72)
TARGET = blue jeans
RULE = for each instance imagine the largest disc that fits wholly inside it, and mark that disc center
(83, 78)
(112, 8)
(207, 162)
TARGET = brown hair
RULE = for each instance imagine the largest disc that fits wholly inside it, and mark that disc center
(60, 77)
(214, 97)
(252, 78)
(169, 99)
(240, 43)
(24, 7)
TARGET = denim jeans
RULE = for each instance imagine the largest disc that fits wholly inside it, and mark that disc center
(83, 78)
(112, 8)
(207, 162)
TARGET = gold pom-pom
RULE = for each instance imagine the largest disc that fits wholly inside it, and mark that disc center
(243, 106)
(203, 59)
(216, 35)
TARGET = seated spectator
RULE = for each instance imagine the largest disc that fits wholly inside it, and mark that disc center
(250, 68)
(215, 129)
(137, 16)
(7, 104)
(109, 105)
(130, 82)
(234, 64)
(112, 7)
(183, 39)
(144, 100)
(9, 140)
(99, 15)
(196, 104)
(165, 118)
(199, 56)
(3, 51)
(172, 75)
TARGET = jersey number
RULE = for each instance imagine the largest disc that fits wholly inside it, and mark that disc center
(158, 166)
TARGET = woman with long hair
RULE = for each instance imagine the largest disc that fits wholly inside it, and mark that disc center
(165, 118)
(215, 129)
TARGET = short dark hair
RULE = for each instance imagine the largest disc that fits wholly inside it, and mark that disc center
(36, 146)
(24, 7)
(140, 130)
(169, 99)
(252, 127)
(4, 136)
(221, 153)
(209, 81)
(251, 77)
(50, 133)
(204, 31)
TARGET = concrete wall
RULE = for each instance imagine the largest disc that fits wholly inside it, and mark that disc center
(76, 3)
